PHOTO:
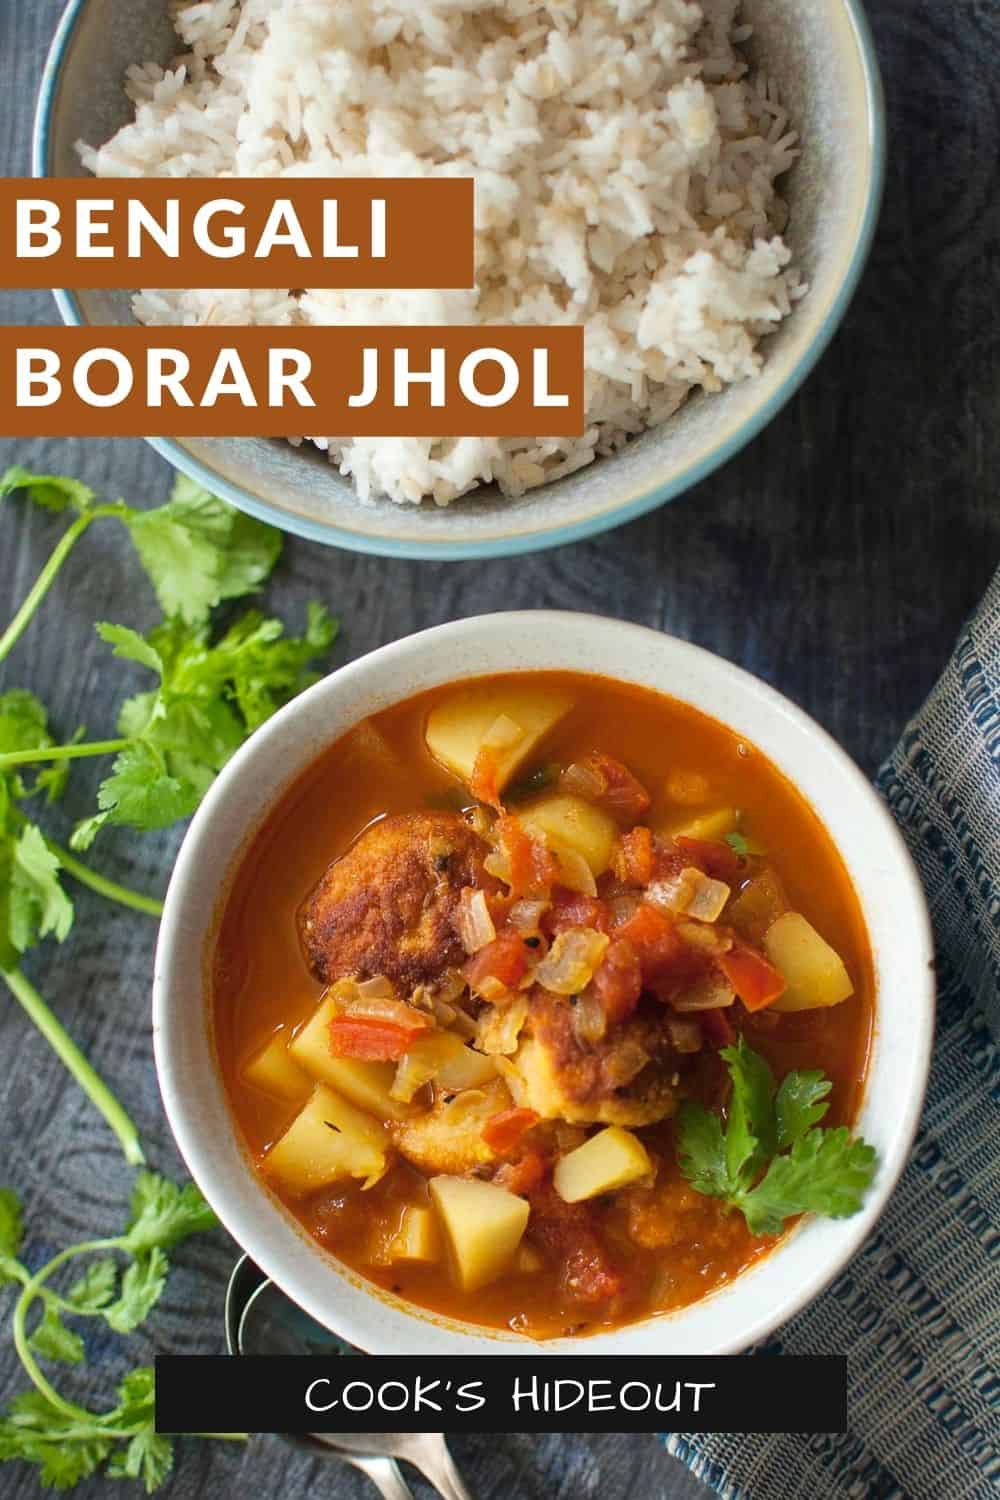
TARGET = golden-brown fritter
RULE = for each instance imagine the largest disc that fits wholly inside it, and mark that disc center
(630, 1078)
(387, 905)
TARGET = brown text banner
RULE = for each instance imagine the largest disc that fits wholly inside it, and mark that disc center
(467, 381)
(292, 232)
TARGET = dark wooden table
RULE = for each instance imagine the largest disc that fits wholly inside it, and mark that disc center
(836, 558)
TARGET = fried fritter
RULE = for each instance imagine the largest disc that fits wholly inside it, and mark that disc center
(630, 1078)
(387, 905)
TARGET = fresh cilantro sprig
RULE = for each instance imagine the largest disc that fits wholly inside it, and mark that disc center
(197, 550)
(121, 1283)
(210, 697)
(212, 692)
(770, 1160)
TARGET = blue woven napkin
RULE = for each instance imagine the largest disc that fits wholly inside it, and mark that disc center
(918, 1310)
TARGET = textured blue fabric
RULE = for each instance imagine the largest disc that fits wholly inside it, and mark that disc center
(918, 1310)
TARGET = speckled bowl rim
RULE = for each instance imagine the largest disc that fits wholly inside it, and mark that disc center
(331, 534)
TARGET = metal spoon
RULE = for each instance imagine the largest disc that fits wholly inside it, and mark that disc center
(245, 1282)
(260, 1319)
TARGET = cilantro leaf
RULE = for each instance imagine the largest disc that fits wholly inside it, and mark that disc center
(701, 1150)
(51, 491)
(130, 645)
(737, 843)
(825, 1172)
(141, 1287)
(38, 905)
(211, 696)
(750, 1131)
(199, 551)
(136, 1396)
(38, 1432)
(53, 1340)
(770, 1161)
(24, 725)
(140, 791)
(95, 1288)
(149, 1457)
(799, 1104)
(163, 1213)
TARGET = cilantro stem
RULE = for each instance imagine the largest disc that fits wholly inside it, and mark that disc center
(46, 577)
(35, 1288)
(61, 752)
(102, 885)
(69, 1053)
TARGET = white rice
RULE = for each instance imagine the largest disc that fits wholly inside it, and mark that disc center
(624, 161)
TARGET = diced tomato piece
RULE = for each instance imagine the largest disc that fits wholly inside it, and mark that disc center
(371, 1039)
(713, 857)
(503, 1131)
(567, 1232)
(617, 981)
(605, 781)
(718, 1030)
(654, 938)
(667, 962)
(505, 959)
(524, 1175)
(635, 861)
(533, 868)
(484, 782)
(570, 909)
(755, 981)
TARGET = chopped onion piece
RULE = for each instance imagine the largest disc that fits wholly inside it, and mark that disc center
(710, 993)
(590, 1019)
(709, 897)
(582, 779)
(525, 916)
(473, 921)
(569, 965)
(500, 1026)
(396, 1012)
(378, 988)
(704, 937)
(674, 894)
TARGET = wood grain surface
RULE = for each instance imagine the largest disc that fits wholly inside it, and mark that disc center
(837, 558)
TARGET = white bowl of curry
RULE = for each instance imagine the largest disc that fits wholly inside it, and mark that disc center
(541, 977)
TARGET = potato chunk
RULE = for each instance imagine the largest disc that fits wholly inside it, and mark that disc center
(419, 1237)
(483, 1225)
(608, 1160)
(519, 716)
(567, 823)
(709, 825)
(366, 1084)
(274, 1072)
(815, 973)
(328, 1139)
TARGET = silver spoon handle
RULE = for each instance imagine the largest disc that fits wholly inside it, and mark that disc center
(435, 1462)
(384, 1474)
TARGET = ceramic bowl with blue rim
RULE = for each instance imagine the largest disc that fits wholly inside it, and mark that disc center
(822, 57)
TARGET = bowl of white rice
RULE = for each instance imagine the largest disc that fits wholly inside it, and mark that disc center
(696, 182)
